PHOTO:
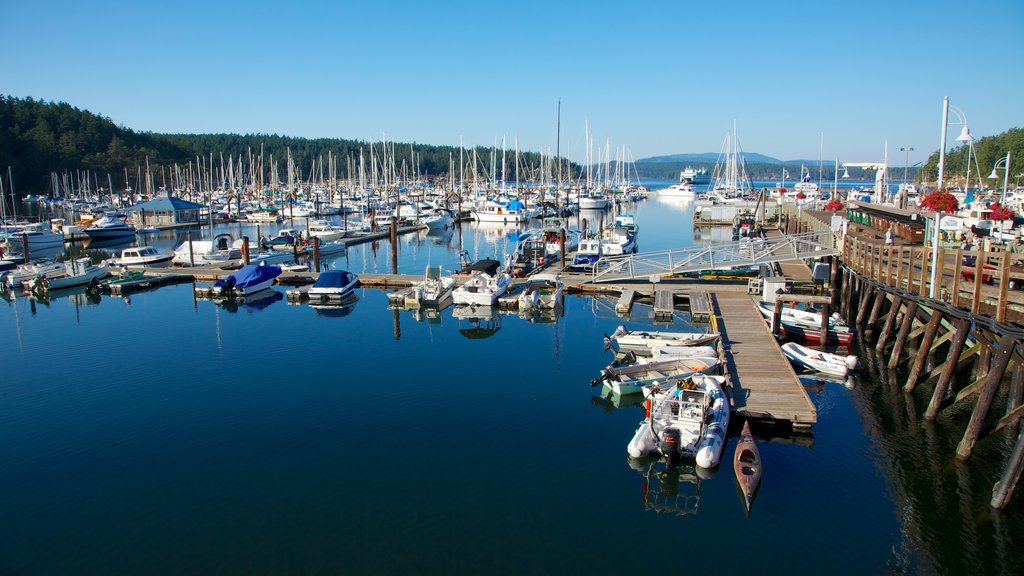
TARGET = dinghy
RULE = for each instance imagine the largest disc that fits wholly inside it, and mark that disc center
(630, 378)
(746, 463)
(643, 341)
(689, 419)
(815, 360)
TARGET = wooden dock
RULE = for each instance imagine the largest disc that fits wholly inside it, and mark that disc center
(701, 309)
(764, 385)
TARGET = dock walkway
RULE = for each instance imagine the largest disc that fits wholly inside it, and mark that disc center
(764, 384)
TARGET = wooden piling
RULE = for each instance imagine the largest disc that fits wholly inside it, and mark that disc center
(777, 317)
(988, 392)
(922, 354)
(901, 337)
(825, 312)
(561, 237)
(1016, 396)
(876, 311)
(316, 253)
(963, 328)
(1003, 490)
(865, 300)
(245, 249)
(191, 253)
(394, 245)
(890, 323)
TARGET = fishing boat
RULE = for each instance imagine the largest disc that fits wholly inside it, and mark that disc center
(690, 419)
(632, 378)
(434, 288)
(815, 360)
(141, 257)
(249, 280)
(333, 284)
(109, 227)
(542, 292)
(77, 272)
(589, 252)
(643, 340)
(746, 463)
(483, 287)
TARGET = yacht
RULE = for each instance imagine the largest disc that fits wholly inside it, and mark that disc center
(110, 226)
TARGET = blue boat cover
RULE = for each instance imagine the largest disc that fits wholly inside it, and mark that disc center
(515, 205)
(250, 275)
(333, 279)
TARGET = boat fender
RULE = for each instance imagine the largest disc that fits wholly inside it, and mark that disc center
(851, 362)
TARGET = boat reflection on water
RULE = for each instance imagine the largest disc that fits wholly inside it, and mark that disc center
(109, 243)
(611, 401)
(819, 379)
(78, 295)
(440, 236)
(670, 489)
(250, 303)
(335, 308)
(477, 322)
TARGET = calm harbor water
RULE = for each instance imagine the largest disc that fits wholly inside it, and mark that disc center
(160, 434)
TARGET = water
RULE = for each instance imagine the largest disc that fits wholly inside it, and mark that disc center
(159, 434)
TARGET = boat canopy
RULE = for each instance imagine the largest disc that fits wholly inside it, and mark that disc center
(250, 275)
(333, 279)
(515, 205)
(487, 265)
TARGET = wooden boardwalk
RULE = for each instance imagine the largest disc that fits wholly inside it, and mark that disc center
(764, 384)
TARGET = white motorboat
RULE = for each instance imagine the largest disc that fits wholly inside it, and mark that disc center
(643, 340)
(543, 291)
(618, 240)
(434, 288)
(326, 232)
(109, 227)
(249, 280)
(220, 250)
(594, 200)
(589, 252)
(678, 190)
(815, 360)
(483, 287)
(690, 419)
(39, 236)
(631, 378)
(512, 212)
(439, 219)
(333, 284)
(141, 257)
(77, 272)
(15, 279)
(669, 352)
(795, 316)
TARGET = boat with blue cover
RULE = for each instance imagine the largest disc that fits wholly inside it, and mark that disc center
(333, 284)
(248, 280)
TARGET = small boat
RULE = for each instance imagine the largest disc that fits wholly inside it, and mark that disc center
(543, 291)
(840, 335)
(483, 287)
(746, 463)
(249, 280)
(618, 240)
(77, 272)
(39, 236)
(326, 248)
(643, 341)
(439, 219)
(333, 284)
(434, 288)
(15, 279)
(631, 378)
(284, 241)
(669, 352)
(141, 257)
(796, 316)
(219, 251)
(815, 360)
(689, 419)
(589, 252)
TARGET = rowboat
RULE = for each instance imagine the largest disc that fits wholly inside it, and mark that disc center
(632, 377)
(815, 360)
(746, 463)
(839, 335)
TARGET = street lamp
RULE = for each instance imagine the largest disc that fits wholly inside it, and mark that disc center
(965, 135)
(1005, 162)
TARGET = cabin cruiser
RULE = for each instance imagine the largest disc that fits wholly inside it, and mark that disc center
(141, 257)
(484, 285)
(219, 251)
(110, 226)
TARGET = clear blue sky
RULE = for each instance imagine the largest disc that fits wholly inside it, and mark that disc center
(657, 77)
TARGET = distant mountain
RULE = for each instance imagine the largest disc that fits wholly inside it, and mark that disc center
(712, 157)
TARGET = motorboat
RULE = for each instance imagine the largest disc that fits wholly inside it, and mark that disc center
(439, 219)
(618, 240)
(15, 278)
(222, 250)
(141, 257)
(800, 317)
(643, 340)
(669, 352)
(690, 419)
(483, 287)
(326, 232)
(510, 212)
(815, 360)
(434, 288)
(841, 335)
(632, 378)
(543, 291)
(333, 284)
(248, 280)
(109, 227)
(285, 240)
(590, 251)
(39, 237)
(594, 200)
(746, 464)
(77, 272)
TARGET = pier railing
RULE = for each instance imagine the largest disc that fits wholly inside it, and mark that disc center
(723, 256)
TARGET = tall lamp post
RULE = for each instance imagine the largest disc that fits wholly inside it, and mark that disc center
(903, 188)
(965, 135)
(1005, 163)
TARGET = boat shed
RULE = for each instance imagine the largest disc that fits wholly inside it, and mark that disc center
(165, 211)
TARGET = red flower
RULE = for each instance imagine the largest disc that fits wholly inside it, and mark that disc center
(1000, 212)
(800, 196)
(940, 201)
(834, 206)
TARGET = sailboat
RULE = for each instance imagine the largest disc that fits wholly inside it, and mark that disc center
(731, 177)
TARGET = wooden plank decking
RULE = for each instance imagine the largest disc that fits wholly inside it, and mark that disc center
(764, 384)
(700, 306)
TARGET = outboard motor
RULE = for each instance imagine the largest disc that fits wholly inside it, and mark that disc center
(669, 445)
(229, 285)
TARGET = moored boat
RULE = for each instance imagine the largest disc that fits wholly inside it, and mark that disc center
(816, 360)
(141, 257)
(643, 341)
(690, 419)
(77, 272)
(746, 464)
(483, 287)
(434, 288)
(249, 280)
(543, 291)
(333, 284)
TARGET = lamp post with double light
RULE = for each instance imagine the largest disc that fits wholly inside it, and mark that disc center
(965, 135)
(1005, 163)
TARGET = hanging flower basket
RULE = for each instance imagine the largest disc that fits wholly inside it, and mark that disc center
(834, 206)
(800, 196)
(940, 201)
(1000, 212)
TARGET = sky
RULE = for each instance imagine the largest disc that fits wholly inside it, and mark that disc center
(802, 80)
